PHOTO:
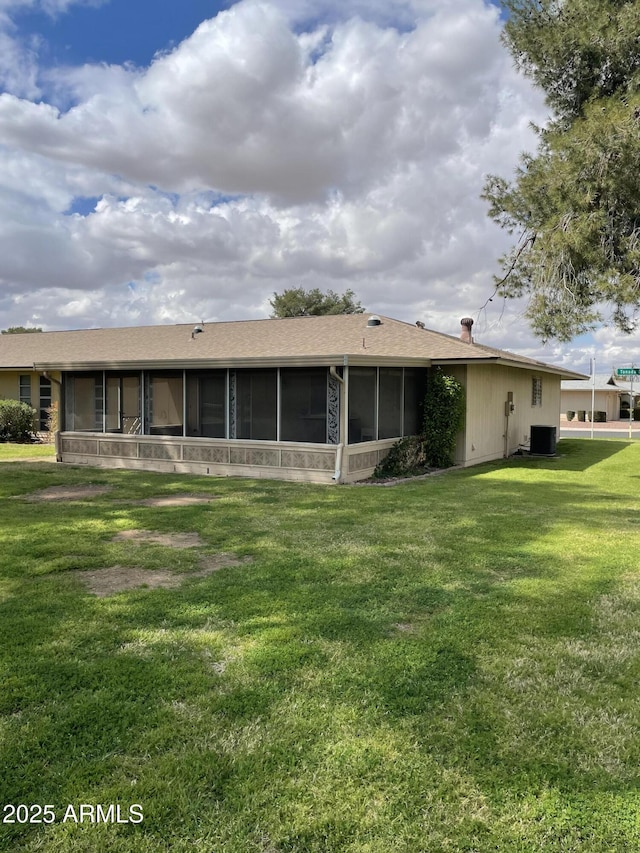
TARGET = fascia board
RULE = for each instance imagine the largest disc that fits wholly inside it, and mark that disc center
(520, 365)
(213, 364)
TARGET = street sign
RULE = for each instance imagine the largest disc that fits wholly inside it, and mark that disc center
(628, 371)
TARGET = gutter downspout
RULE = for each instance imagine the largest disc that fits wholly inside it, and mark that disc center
(51, 378)
(337, 474)
(57, 438)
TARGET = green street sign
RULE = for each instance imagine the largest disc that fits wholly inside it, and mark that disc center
(628, 371)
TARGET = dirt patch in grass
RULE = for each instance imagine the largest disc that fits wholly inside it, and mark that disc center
(67, 493)
(405, 627)
(177, 500)
(171, 540)
(114, 579)
(109, 581)
(214, 562)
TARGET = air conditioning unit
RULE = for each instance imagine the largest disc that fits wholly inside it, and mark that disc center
(543, 440)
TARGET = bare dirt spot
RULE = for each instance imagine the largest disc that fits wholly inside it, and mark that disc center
(172, 540)
(109, 581)
(405, 627)
(177, 500)
(214, 562)
(67, 493)
(114, 579)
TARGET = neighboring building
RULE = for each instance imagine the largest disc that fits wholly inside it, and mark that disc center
(309, 398)
(19, 381)
(610, 394)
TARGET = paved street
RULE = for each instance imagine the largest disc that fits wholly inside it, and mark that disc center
(611, 429)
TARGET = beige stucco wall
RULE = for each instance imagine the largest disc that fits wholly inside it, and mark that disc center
(10, 386)
(488, 434)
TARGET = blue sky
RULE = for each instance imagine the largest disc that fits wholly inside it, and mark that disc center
(178, 161)
(120, 31)
(117, 31)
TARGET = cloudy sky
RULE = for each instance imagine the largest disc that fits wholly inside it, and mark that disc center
(180, 161)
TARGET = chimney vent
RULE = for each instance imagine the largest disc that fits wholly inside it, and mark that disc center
(465, 330)
(374, 320)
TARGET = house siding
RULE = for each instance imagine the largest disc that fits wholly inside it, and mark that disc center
(485, 436)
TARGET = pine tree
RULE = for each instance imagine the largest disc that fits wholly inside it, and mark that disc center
(575, 205)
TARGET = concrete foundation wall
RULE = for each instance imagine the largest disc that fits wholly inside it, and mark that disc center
(312, 463)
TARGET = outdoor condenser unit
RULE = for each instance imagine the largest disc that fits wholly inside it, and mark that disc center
(543, 440)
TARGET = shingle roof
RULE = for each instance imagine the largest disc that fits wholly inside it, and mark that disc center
(321, 340)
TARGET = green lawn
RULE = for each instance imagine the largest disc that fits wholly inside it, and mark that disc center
(12, 452)
(446, 665)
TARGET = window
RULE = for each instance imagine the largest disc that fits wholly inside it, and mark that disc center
(256, 404)
(390, 402)
(206, 404)
(536, 391)
(25, 389)
(303, 404)
(45, 401)
(385, 402)
(362, 404)
(415, 387)
(83, 403)
(164, 403)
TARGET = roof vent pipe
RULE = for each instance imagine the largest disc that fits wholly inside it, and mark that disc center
(374, 320)
(465, 330)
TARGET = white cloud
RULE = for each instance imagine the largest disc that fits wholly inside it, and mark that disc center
(265, 152)
(241, 107)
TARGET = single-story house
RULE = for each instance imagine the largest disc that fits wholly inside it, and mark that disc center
(607, 394)
(320, 399)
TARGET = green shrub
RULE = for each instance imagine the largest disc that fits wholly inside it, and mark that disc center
(16, 421)
(581, 414)
(570, 415)
(444, 409)
(636, 414)
(600, 417)
(404, 459)
(624, 414)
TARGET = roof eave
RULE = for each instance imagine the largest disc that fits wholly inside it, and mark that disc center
(535, 366)
(221, 363)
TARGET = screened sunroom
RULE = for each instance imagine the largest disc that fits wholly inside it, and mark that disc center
(290, 404)
(316, 423)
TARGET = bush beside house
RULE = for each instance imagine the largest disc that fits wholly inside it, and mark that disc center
(16, 421)
(444, 411)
